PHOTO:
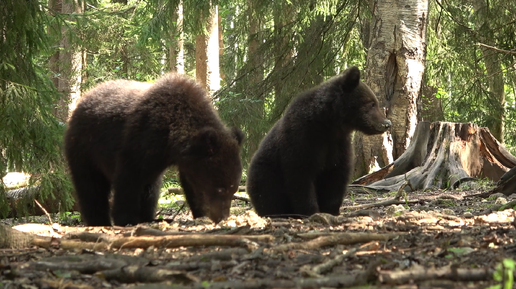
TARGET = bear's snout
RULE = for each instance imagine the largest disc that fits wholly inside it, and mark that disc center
(387, 124)
(379, 127)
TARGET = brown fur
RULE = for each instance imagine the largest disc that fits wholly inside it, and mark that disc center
(124, 134)
(303, 165)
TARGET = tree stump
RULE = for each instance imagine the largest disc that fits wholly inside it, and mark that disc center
(442, 155)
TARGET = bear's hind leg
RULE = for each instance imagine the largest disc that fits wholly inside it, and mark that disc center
(92, 191)
(302, 195)
(330, 188)
(266, 190)
(129, 188)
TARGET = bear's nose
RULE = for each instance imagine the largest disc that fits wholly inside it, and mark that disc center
(387, 123)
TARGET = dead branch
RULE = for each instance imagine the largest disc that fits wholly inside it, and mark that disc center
(135, 273)
(193, 240)
(223, 255)
(334, 239)
(496, 208)
(190, 266)
(44, 211)
(62, 284)
(146, 231)
(423, 274)
(497, 49)
(332, 282)
(328, 219)
(316, 271)
(87, 264)
(90, 237)
(10, 238)
(386, 203)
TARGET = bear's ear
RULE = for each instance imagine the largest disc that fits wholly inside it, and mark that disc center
(204, 144)
(238, 135)
(351, 78)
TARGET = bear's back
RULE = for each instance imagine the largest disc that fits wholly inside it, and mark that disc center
(112, 97)
(179, 102)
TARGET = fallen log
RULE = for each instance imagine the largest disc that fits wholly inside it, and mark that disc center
(442, 155)
(22, 203)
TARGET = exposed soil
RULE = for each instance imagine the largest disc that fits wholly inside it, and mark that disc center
(439, 239)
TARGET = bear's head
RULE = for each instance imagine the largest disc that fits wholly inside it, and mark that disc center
(211, 165)
(362, 111)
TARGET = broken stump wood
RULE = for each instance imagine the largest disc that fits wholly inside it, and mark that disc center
(506, 185)
(442, 155)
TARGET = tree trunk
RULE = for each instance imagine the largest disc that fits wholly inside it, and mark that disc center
(431, 105)
(443, 155)
(176, 48)
(207, 53)
(394, 70)
(221, 46)
(494, 71)
(283, 58)
(66, 63)
(255, 77)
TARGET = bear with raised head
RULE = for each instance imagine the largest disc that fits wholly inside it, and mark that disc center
(304, 163)
(124, 134)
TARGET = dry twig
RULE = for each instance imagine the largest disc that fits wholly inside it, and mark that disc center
(335, 239)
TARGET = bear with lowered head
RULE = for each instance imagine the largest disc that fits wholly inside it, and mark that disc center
(124, 134)
(304, 163)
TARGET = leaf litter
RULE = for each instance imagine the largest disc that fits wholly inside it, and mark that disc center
(431, 239)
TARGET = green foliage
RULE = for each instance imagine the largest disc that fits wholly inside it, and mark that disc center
(31, 136)
(456, 65)
(505, 274)
(300, 44)
(272, 50)
(69, 218)
(111, 36)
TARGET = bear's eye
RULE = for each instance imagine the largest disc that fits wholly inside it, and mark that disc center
(373, 105)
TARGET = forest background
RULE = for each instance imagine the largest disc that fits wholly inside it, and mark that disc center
(427, 60)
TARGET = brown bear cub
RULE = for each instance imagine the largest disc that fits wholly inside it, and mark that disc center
(124, 134)
(304, 163)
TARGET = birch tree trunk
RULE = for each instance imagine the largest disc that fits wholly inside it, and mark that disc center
(207, 53)
(394, 70)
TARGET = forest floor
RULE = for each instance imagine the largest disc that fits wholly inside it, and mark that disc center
(432, 239)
